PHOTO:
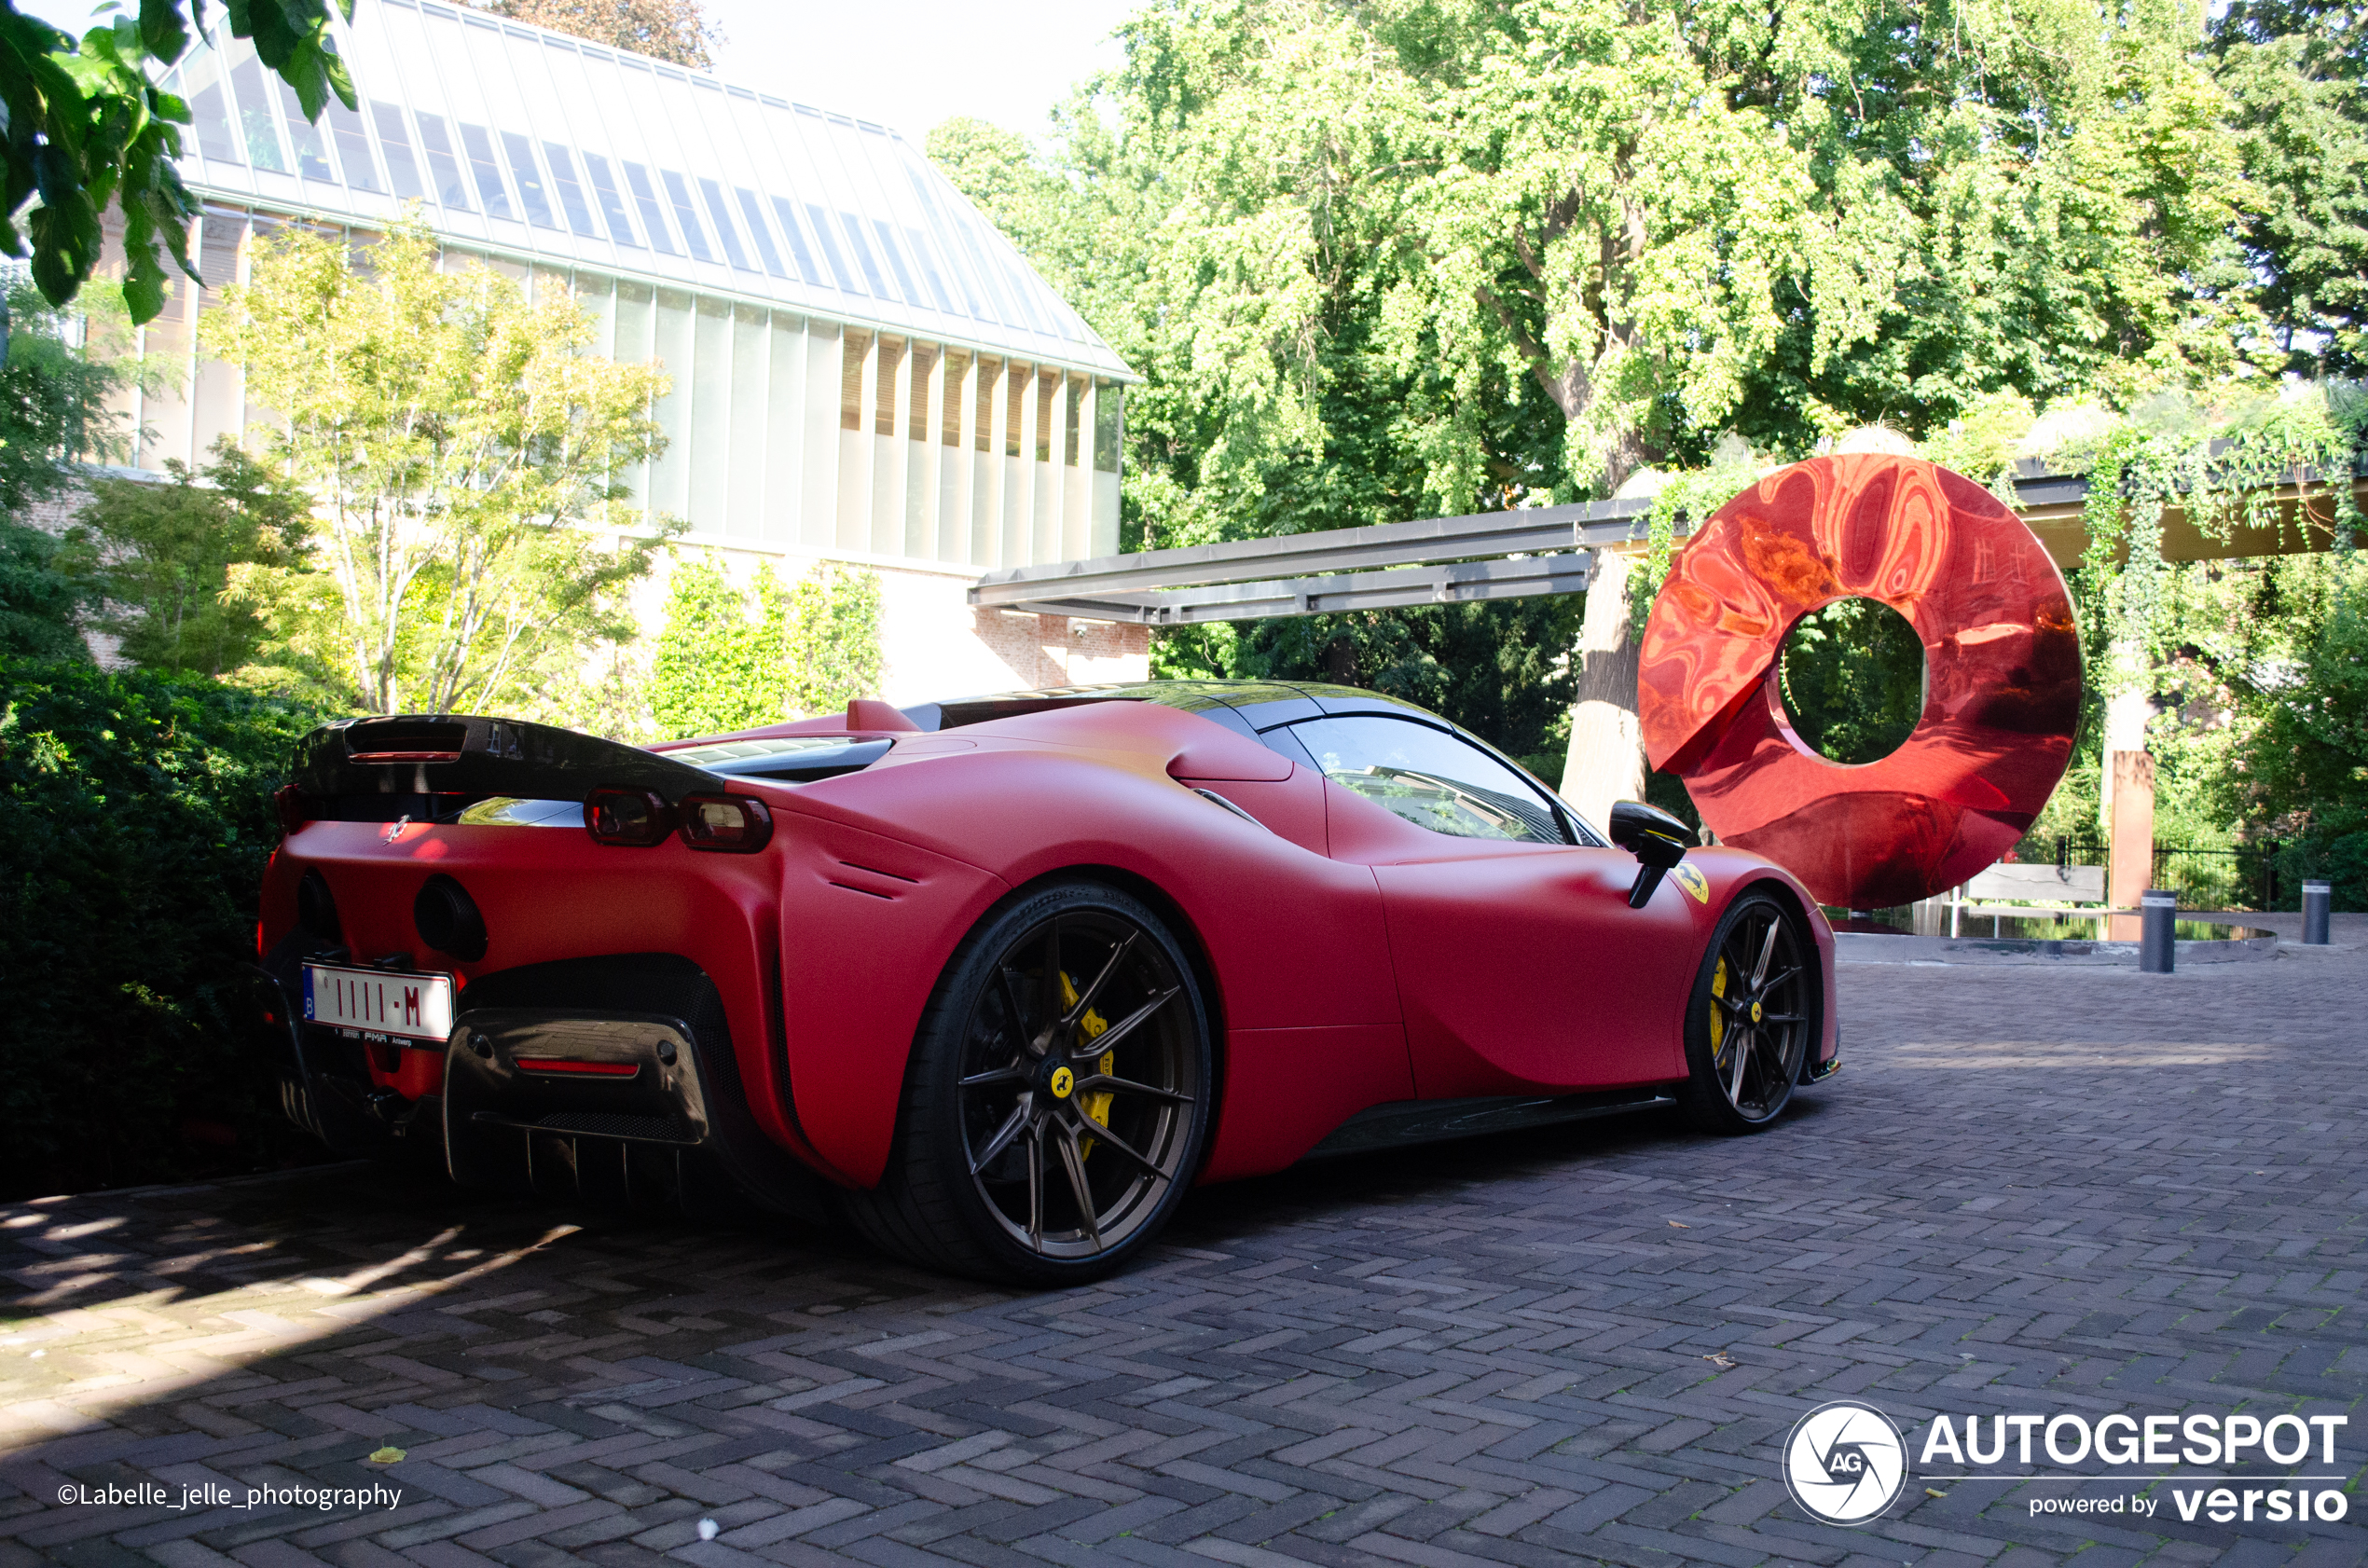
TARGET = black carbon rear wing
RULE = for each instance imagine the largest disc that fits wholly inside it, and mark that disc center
(419, 763)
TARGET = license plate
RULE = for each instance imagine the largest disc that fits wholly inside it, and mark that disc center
(379, 1001)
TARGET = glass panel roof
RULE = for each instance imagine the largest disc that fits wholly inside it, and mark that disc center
(537, 144)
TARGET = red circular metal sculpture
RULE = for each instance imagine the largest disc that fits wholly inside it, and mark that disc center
(2002, 661)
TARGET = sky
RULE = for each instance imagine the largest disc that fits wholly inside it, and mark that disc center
(905, 64)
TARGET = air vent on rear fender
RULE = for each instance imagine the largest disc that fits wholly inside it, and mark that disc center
(405, 741)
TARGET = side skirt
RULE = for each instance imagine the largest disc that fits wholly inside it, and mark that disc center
(1416, 1122)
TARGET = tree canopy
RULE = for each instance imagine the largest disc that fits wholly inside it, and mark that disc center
(669, 30)
(462, 448)
(1403, 259)
(2293, 71)
(158, 558)
(1415, 257)
(88, 123)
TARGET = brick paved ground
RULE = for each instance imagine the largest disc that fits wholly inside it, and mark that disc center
(2033, 1189)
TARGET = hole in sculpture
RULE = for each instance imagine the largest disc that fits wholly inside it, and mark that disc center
(1852, 678)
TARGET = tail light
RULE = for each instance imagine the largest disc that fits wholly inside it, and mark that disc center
(615, 815)
(574, 1067)
(734, 824)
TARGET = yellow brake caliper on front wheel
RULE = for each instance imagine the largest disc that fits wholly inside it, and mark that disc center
(1095, 1107)
(1718, 1013)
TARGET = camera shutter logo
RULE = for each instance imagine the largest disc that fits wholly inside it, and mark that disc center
(1845, 1463)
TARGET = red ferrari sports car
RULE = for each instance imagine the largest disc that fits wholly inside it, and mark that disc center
(1000, 978)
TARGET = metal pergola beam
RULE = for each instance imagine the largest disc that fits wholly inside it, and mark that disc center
(1527, 532)
(1517, 577)
(1492, 554)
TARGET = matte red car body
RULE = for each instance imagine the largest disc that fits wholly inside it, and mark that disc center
(1351, 959)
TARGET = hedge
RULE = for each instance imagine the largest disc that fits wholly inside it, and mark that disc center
(135, 821)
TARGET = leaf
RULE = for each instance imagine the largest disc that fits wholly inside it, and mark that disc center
(162, 28)
(386, 1456)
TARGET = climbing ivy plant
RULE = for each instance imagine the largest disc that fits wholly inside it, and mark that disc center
(2225, 473)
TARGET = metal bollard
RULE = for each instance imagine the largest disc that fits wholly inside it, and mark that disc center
(2158, 910)
(2317, 897)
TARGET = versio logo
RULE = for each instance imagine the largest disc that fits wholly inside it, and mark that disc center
(1845, 1463)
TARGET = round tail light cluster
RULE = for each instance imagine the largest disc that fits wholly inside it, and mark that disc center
(727, 824)
(640, 817)
(732, 823)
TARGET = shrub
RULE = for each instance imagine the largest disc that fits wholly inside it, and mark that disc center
(733, 658)
(721, 661)
(135, 821)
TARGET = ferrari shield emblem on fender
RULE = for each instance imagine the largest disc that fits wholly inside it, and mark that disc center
(1697, 886)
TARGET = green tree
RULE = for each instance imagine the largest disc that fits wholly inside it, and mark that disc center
(41, 599)
(1536, 244)
(2294, 72)
(161, 554)
(671, 30)
(53, 397)
(88, 125)
(54, 387)
(462, 448)
(721, 661)
(1404, 259)
(833, 639)
(1853, 680)
(734, 658)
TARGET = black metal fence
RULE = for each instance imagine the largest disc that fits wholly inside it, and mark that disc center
(2245, 877)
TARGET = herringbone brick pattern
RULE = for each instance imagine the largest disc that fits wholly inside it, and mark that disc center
(2031, 1189)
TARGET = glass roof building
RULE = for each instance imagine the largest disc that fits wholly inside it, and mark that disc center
(862, 366)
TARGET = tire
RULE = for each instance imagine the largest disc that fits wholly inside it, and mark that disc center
(1751, 1017)
(1052, 1152)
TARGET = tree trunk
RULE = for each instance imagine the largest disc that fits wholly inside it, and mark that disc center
(1606, 760)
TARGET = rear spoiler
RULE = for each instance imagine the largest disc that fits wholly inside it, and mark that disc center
(453, 754)
(864, 719)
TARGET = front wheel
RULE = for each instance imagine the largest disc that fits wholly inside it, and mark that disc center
(1058, 1097)
(1748, 1022)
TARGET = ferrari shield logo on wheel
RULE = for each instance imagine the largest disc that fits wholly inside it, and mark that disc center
(1845, 1463)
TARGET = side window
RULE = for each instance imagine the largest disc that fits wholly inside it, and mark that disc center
(1429, 778)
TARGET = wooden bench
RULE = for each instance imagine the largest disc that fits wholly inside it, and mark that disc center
(2025, 888)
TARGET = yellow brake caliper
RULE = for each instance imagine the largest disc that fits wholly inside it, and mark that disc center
(1095, 1107)
(1718, 1013)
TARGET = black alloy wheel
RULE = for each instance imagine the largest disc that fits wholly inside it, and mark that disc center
(1749, 1025)
(1058, 1097)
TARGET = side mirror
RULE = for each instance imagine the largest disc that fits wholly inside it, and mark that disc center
(1658, 840)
